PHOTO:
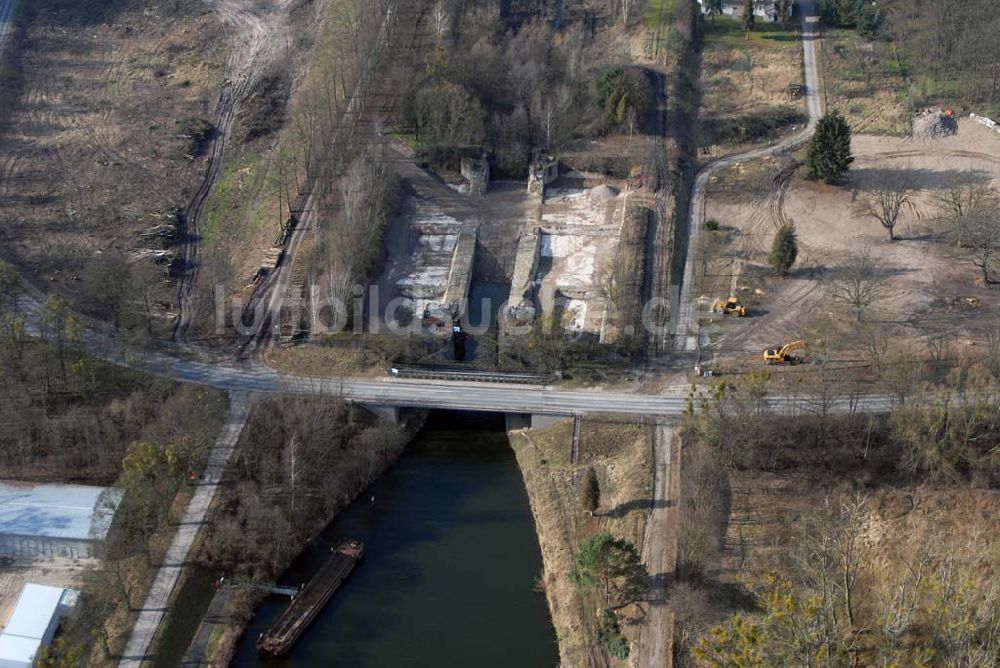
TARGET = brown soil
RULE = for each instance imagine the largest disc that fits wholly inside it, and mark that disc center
(927, 282)
(92, 154)
(621, 455)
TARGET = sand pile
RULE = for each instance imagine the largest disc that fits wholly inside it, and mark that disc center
(934, 124)
(602, 193)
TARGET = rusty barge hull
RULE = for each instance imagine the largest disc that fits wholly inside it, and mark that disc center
(301, 612)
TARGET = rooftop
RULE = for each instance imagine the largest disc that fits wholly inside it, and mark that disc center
(33, 622)
(78, 512)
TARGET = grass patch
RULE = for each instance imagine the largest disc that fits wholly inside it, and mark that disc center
(227, 196)
(867, 81)
(729, 32)
(190, 602)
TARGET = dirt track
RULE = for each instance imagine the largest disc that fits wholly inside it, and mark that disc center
(255, 42)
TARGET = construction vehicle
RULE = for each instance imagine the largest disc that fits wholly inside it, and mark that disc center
(731, 306)
(783, 354)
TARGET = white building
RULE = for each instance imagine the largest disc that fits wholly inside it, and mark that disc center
(33, 622)
(46, 521)
(764, 9)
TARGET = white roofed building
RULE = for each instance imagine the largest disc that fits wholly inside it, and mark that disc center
(48, 521)
(33, 622)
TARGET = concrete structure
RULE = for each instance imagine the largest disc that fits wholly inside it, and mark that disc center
(46, 521)
(456, 294)
(543, 170)
(33, 622)
(520, 303)
(476, 170)
(764, 9)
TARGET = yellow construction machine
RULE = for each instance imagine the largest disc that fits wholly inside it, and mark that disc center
(731, 306)
(783, 354)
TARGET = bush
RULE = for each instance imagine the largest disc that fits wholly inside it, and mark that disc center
(590, 498)
(759, 126)
(712, 224)
(198, 133)
(609, 636)
(863, 16)
(265, 111)
(784, 250)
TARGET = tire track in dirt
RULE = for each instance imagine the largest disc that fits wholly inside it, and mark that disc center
(255, 43)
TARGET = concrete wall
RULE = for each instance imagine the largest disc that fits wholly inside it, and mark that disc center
(477, 172)
(520, 304)
(34, 547)
(542, 171)
(456, 295)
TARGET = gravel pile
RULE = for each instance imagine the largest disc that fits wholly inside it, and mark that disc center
(934, 124)
(602, 193)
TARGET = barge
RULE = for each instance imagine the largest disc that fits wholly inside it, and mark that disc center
(300, 613)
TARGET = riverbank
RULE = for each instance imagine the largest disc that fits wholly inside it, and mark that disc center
(621, 455)
(450, 567)
(291, 477)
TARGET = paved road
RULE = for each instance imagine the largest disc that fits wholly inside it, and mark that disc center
(421, 393)
(687, 324)
(158, 598)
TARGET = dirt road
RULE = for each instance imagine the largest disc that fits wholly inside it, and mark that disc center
(659, 553)
(256, 41)
(686, 325)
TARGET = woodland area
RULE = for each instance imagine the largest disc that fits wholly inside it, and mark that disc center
(843, 589)
(512, 90)
(299, 463)
(948, 52)
(68, 417)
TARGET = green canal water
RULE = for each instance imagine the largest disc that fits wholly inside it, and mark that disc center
(451, 560)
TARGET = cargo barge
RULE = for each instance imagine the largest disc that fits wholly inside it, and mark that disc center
(300, 613)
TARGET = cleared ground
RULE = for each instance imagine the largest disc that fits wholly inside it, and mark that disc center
(928, 282)
(98, 146)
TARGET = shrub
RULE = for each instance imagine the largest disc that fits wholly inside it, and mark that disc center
(610, 637)
(620, 91)
(784, 250)
(590, 498)
(712, 224)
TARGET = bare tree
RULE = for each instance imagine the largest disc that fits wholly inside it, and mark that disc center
(859, 283)
(981, 234)
(957, 203)
(890, 195)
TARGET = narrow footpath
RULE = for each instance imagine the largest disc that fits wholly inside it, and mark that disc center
(158, 599)
(659, 552)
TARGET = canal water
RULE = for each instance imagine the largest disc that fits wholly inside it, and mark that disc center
(451, 561)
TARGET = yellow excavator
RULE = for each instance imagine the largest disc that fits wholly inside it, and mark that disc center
(731, 306)
(783, 354)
